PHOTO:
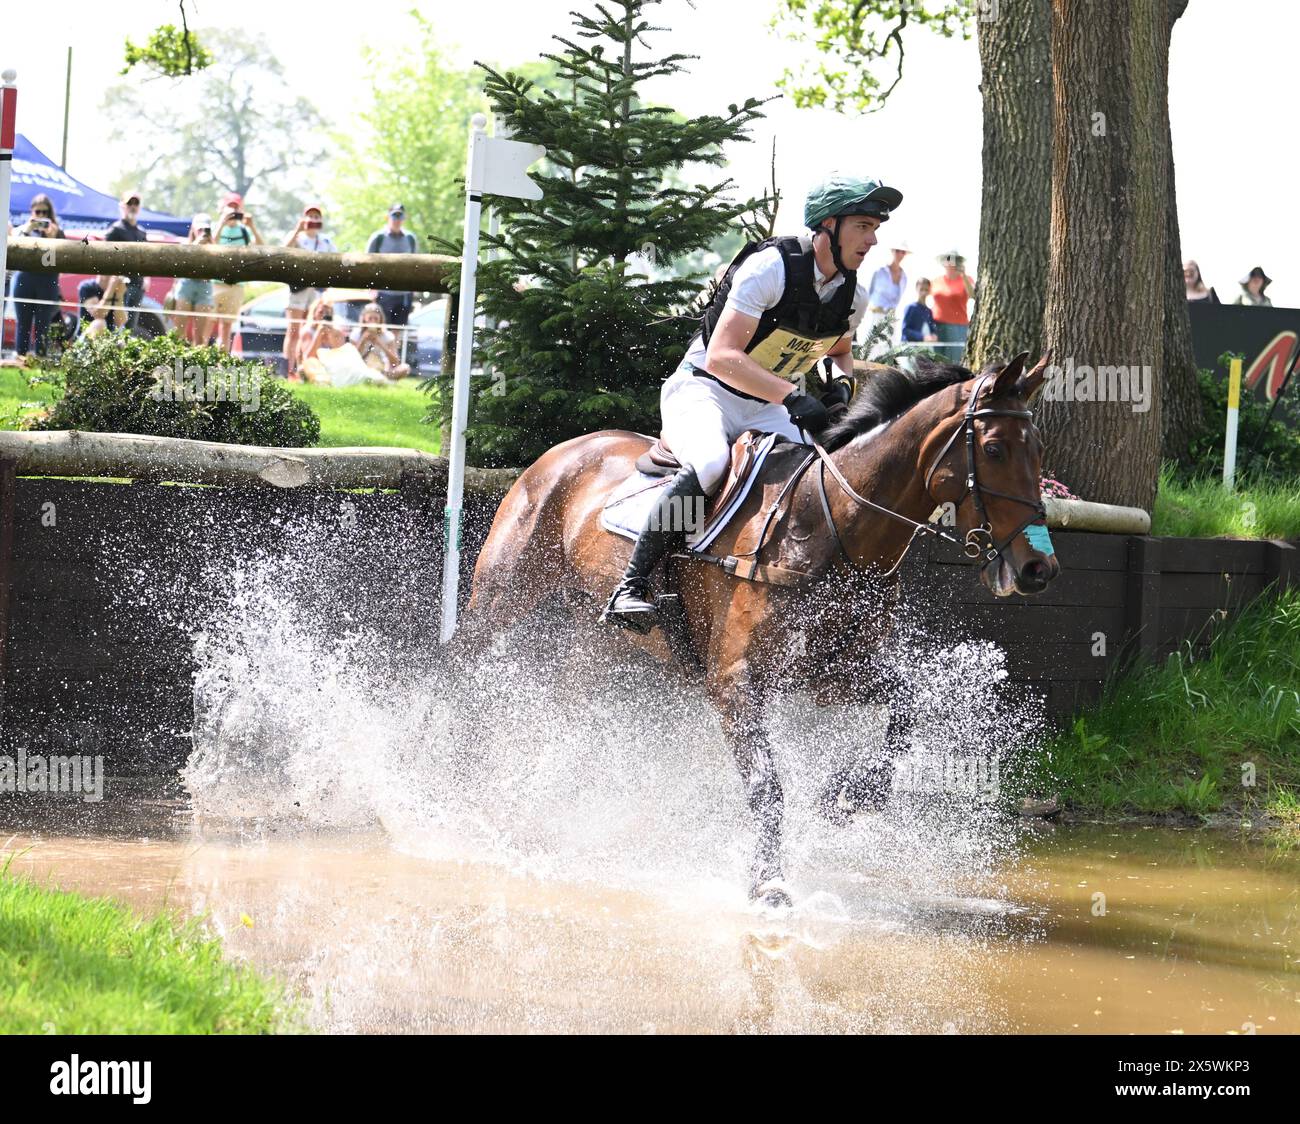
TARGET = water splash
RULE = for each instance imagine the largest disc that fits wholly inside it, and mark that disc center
(578, 762)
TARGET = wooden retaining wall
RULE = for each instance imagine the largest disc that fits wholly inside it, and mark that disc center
(1119, 598)
(104, 586)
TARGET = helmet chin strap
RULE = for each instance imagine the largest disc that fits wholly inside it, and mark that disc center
(835, 245)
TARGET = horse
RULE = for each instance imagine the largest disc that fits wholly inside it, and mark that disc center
(912, 441)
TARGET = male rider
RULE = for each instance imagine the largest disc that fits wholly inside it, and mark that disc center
(783, 305)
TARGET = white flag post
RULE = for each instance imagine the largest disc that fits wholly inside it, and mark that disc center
(496, 167)
(8, 116)
(1230, 433)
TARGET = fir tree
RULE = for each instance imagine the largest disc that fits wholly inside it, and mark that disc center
(584, 341)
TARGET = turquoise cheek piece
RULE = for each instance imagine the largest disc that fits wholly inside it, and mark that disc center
(1039, 539)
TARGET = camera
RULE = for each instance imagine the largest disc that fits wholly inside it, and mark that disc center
(238, 215)
(313, 224)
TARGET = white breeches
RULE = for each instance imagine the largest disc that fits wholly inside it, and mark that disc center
(702, 418)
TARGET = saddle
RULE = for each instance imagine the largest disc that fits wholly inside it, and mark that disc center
(660, 460)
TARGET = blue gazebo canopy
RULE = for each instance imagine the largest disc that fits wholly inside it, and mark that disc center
(79, 207)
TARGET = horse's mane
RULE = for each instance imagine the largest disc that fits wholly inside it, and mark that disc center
(888, 392)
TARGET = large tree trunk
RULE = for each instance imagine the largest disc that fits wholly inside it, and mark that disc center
(1106, 277)
(1180, 394)
(1015, 59)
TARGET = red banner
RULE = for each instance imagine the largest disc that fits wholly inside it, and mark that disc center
(8, 116)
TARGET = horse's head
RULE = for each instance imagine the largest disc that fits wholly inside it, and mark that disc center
(986, 459)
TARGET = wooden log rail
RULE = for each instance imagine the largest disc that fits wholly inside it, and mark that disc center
(421, 273)
(140, 457)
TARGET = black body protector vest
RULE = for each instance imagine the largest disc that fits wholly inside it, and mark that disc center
(800, 329)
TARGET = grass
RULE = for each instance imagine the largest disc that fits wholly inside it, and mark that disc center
(1203, 508)
(353, 415)
(18, 398)
(76, 965)
(1214, 732)
(368, 414)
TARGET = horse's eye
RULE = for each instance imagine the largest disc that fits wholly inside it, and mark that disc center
(993, 451)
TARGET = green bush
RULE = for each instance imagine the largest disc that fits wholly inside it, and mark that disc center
(119, 383)
(1175, 736)
(1276, 444)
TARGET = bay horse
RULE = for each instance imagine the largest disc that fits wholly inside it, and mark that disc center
(908, 443)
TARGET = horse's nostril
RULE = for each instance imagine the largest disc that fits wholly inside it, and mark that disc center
(1035, 572)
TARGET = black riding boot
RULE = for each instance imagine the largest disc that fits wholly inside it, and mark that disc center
(674, 513)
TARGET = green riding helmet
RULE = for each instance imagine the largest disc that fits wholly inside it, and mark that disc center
(841, 195)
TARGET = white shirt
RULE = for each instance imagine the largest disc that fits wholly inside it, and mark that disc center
(759, 284)
(320, 243)
(884, 293)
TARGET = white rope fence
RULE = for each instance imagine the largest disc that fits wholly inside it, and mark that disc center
(155, 310)
(406, 333)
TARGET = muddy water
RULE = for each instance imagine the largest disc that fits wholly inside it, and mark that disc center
(556, 839)
(1196, 932)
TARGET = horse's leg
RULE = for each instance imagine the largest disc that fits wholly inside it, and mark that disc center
(742, 711)
(864, 786)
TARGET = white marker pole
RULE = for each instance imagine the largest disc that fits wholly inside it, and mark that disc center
(499, 167)
(1230, 435)
(8, 117)
(460, 395)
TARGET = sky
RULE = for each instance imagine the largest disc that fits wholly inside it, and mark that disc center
(1231, 80)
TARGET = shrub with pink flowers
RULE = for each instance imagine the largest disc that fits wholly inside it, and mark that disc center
(1056, 490)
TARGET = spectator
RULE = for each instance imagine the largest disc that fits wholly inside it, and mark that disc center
(950, 296)
(34, 319)
(319, 332)
(1252, 289)
(918, 320)
(126, 230)
(235, 227)
(110, 292)
(192, 295)
(393, 239)
(305, 236)
(888, 283)
(1196, 287)
(377, 345)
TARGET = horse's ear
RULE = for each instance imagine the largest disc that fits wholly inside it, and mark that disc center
(1031, 386)
(1005, 383)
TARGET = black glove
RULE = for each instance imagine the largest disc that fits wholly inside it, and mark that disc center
(806, 412)
(838, 392)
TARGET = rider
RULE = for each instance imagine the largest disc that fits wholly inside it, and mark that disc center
(782, 305)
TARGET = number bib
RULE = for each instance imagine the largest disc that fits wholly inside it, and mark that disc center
(790, 354)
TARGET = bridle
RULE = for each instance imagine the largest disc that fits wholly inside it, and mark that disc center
(973, 547)
(978, 541)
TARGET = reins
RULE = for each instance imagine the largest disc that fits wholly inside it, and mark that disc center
(978, 541)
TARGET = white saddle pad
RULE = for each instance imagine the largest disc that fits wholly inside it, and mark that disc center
(628, 507)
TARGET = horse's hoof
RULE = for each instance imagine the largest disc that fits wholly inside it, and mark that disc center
(772, 894)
